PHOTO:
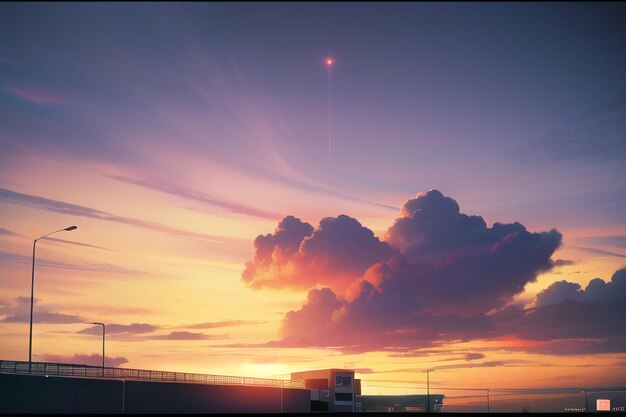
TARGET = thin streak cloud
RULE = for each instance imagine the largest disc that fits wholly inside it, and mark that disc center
(599, 251)
(82, 211)
(179, 191)
(47, 263)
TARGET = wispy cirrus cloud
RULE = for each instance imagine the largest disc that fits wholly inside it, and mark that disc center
(220, 324)
(596, 251)
(37, 95)
(83, 211)
(47, 263)
(486, 364)
(180, 191)
(7, 232)
(7, 60)
(591, 141)
(617, 241)
(188, 336)
(81, 244)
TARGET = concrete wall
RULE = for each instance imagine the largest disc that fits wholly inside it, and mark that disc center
(39, 394)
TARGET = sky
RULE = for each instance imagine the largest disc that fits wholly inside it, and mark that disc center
(471, 204)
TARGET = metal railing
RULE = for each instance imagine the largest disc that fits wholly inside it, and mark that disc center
(87, 371)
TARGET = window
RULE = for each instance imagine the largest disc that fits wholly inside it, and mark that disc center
(343, 381)
(343, 396)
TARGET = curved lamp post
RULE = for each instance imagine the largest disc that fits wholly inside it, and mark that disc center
(32, 294)
(103, 334)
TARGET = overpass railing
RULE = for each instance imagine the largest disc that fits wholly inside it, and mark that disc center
(88, 371)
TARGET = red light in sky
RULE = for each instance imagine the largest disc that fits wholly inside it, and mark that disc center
(329, 61)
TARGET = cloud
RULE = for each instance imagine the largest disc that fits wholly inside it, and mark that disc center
(599, 251)
(19, 312)
(225, 323)
(6, 232)
(557, 292)
(175, 189)
(46, 263)
(81, 244)
(448, 278)
(617, 241)
(590, 323)
(80, 359)
(590, 141)
(461, 264)
(298, 256)
(488, 364)
(7, 60)
(563, 262)
(474, 356)
(597, 291)
(271, 251)
(382, 317)
(128, 329)
(188, 336)
(37, 95)
(580, 346)
(82, 211)
(44, 317)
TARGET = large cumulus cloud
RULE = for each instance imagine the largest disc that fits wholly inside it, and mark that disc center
(597, 291)
(461, 264)
(439, 276)
(297, 256)
(379, 317)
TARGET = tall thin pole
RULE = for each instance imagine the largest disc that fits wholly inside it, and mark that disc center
(103, 336)
(488, 401)
(32, 302)
(428, 391)
(32, 295)
(428, 371)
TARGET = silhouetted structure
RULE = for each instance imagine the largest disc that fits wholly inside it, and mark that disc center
(399, 403)
(48, 387)
(331, 389)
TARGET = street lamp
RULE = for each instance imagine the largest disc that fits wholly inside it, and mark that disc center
(428, 371)
(103, 334)
(32, 294)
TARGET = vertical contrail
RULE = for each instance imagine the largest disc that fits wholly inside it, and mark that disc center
(329, 62)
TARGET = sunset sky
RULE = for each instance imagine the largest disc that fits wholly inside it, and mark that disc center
(471, 217)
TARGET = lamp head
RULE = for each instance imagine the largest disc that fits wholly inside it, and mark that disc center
(69, 229)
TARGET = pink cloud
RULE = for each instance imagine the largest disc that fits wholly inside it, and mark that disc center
(40, 96)
(453, 262)
(80, 359)
(443, 277)
(297, 256)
